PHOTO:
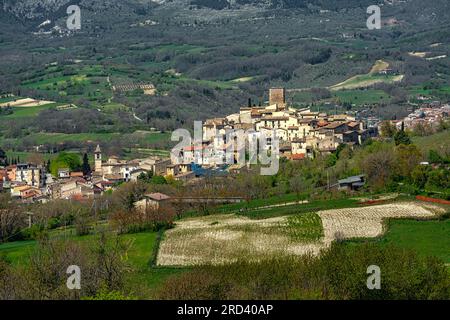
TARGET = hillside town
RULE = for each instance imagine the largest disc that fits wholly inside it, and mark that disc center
(425, 116)
(302, 134)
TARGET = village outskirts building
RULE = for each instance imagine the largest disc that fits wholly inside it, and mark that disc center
(152, 201)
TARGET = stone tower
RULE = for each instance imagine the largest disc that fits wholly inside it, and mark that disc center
(98, 159)
(277, 96)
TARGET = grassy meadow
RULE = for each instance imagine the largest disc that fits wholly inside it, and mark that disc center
(138, 257)
(425, 237)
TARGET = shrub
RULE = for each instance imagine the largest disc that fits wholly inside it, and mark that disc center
(338, 273)
(137, 221)
(44, 277)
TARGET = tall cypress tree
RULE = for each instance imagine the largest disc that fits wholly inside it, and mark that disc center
(85, 166)
(3, 158)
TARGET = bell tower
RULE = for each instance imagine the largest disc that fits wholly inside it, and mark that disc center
(98, 159)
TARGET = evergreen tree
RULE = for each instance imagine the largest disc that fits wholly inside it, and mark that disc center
(401, 137)
(3, 158)
(85, 167)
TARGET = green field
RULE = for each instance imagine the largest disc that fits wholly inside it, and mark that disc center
(358, 97)
(24, 156)
(9, 99)
(84, 82)
(419, 90)
(140, 252)
(366, 80)
(252, 209)
(425, 237)
(43, 138)
(24, 112)
(435, 141)
(142, 153)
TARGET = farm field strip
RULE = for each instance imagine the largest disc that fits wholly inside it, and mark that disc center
(218, 239)
(26, 102)
(367, 222)
(225, 238)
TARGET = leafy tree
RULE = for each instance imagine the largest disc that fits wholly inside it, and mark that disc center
(331, 160)
(408, 157)
(158, 180)
(434, 157)
(146, 176)
(128, 193)
(65, 160)
(378, 165)
(401, 137)
(439, 178)
(420, 176)
(388, 130)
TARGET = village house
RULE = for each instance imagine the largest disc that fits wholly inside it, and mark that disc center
(25, 192)
(63, 173)
(152, 201)
(351, 183)
(29, 174)
(117, 170)
(72, 188)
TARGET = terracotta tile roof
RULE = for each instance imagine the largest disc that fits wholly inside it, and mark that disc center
(77, 174)
(322, 123)
(298, 156)
(270, 118)
(157, 196)
(334, 125)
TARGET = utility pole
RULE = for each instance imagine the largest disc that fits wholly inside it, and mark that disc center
(29, 220)
(328, 179)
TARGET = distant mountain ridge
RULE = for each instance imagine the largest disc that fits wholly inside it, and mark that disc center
(34, 9)
(38, 9)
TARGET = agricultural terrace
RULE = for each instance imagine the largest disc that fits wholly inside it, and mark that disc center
(25, 107)
(220, 239)
(374, 76)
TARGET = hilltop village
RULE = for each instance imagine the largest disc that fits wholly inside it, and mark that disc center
(301, 133)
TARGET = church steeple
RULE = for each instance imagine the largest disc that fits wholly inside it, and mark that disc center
(98, 159)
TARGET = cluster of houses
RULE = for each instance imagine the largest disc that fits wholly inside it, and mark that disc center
(32, 183)
(427, 116)
(301, 133)
(25, 181)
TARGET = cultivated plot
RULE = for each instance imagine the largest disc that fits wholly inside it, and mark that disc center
(218, 239)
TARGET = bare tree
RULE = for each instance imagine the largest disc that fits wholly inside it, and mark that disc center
(11, 218)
